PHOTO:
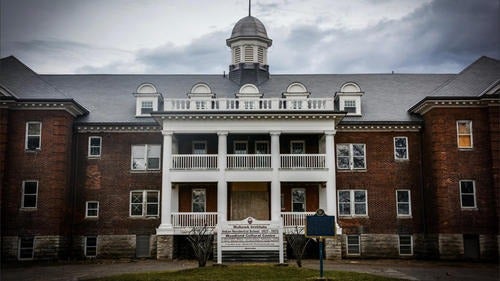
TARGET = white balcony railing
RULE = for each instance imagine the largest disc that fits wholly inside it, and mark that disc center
(304, 161)
(249, 161)
(262, 104)
(194, 161)
(292, 219)
(184, 222)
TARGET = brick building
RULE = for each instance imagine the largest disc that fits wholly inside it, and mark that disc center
(127, 165)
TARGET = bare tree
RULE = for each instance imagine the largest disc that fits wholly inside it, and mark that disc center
(201, 239)
(298, 242)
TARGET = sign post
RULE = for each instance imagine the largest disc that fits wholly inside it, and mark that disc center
(320, 226)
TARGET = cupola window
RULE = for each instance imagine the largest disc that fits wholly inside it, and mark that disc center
(147, 100)
(349, 99)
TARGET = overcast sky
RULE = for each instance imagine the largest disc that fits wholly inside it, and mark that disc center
(309, 36)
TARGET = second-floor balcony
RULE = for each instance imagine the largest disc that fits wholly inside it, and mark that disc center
(247, 161)
(249, 104)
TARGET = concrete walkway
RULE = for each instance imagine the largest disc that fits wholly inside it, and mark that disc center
(404, 269)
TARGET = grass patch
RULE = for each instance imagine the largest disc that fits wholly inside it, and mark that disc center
(245, 272)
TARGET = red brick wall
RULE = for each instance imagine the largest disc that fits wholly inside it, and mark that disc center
(109, 180)
(445, 165)
(51, 166)
(383, 175)
(494, 122)
(4, 113)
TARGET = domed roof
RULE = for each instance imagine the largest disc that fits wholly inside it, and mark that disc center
(249, 27)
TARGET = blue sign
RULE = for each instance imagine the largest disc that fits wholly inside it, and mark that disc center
(320, 226)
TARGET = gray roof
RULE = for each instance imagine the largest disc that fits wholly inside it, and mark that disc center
(24, 82)
(473, 80)
(387, 97)
(249, 27)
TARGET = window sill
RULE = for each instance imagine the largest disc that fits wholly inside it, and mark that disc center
(94, 157)
(403, 217)
(469, 208)
(353, 170)
(28, 209)
(354, 217)
(465, 148)
(33, 150)
(145, 171)
(92, 218)
(144, 218)
(401, 159)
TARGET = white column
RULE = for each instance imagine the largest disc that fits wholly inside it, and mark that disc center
(275, 183)
(331, 187)
(221, 183)
(166, 186)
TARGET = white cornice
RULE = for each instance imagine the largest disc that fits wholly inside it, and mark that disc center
(428, 105)
(378, 128)
(119, 128)
(67, 106)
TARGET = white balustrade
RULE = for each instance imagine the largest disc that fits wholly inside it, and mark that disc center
(303, 161)
(292, 219)
(249, 161)
(188, 220)
(194, 161)
(247, 104)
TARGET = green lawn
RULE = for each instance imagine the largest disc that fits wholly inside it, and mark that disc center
(245, 272)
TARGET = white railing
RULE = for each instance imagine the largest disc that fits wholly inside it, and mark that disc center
(245, 104)
(249, 161)
(292, 219)
(187, 221)
(305, 161)
(194, 161)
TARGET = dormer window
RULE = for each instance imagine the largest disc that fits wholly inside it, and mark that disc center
(349, 99)
(297, 94)
(201, 96)
(147, 99)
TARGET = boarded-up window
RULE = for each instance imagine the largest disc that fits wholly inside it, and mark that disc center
(464, 133)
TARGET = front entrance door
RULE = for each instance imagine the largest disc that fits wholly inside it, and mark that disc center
(249, 199)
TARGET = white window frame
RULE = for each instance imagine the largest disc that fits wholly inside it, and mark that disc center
(345, 105)
(27, 136)
(406, 148)
(199, 142)
(473, 194)
(350, 97)
(90, 155)
(352, 203)
(408, 203)
(86, 246)
(144, 204)
(148, 98)
(29, 194)
(302, 142)
(87, 209)
(147, 102)
(240, 142)
(351, 156)
(411, 244)
(470, 134)
(358, 244)
(262, 142)
(20, 248)
(305, 198)
(146, 157)
(204, 190)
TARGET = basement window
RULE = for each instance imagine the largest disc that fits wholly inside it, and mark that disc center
(26, 248)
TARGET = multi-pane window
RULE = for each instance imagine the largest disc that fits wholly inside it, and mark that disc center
(30, 194)
(351, 156)
(26, 246)
(353, 203)
(146, 107)
(401, 148)
(144, 203)
(95, 144)
(33, 135)
(199, 147)
(403, 202)
(146, 157)
(261, 147)
(240, 147)
(464, 133)
(353, 245)
(92, 209)
(201, 104)
(90, 246)
(405, 245)
(467, 194)
(298, 200)
(350, 106)
(198, 200)
(297, 147)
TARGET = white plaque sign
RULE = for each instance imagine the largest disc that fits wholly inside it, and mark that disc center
(249, 235)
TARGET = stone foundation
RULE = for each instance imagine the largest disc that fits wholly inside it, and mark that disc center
(164, 247)
(45, 247)
(116, 246)
(451, 246)
(333, 248)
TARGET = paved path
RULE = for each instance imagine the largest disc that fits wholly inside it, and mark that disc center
(405, 269)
